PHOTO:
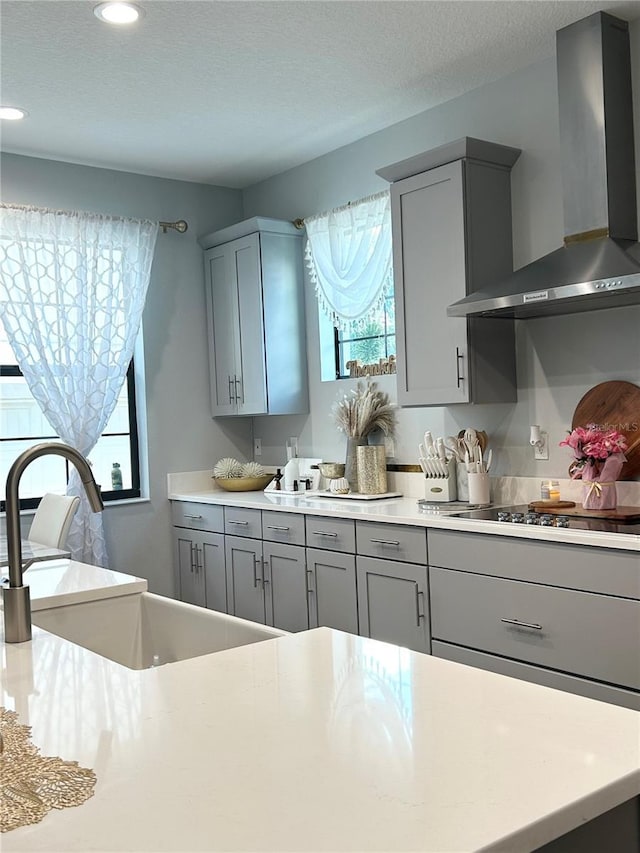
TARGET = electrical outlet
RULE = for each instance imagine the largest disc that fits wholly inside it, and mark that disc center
(257, 447)
(542, 451)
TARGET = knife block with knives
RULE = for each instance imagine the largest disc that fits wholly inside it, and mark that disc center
(442, 488)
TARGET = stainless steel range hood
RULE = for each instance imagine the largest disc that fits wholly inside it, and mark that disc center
(599, 265)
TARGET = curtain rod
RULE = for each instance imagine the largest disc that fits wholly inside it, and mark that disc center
(180, 226)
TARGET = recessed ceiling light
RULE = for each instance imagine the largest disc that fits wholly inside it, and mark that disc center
(117, 12)
(12, 113)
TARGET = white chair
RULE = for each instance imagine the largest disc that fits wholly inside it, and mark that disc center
(50, 525)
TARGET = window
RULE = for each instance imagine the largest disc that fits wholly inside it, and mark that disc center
(374, 341)
(348, 254)
(22, 424)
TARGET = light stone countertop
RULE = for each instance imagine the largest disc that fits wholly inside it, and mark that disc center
(316, 741)
(61, 582)
(402, 510)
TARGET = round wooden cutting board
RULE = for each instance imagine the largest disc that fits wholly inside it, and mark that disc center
(614, 405)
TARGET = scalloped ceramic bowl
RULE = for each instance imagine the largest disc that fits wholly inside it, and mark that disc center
(244, 484)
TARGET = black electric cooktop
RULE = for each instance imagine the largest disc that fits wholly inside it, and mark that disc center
(521, 515)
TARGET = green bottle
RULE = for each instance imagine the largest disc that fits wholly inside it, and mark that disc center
(116, 476)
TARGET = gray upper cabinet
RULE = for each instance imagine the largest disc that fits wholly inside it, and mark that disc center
(255, 318)
(451, 226)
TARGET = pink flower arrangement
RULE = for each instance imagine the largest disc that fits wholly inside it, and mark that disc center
(599, 456)
(593, 444)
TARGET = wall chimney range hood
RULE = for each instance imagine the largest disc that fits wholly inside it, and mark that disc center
(599, 265)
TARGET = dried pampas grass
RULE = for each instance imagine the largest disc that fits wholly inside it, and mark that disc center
(365, 410)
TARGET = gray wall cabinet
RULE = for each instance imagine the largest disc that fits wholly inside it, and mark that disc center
(451, 226)
(255, 318)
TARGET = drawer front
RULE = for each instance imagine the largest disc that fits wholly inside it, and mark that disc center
(334, 534)
(243, 522)
(392, 541)
(553, 563)
(197, 516)
(581, 633)
(287, 527)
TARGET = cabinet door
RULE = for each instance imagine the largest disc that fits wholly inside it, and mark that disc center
(285, 587)
(393, 603)
(210, 559)
(245, 596)
(251, 374)
(332, 590)
(429, 263)
(222, 323)
(191, 583)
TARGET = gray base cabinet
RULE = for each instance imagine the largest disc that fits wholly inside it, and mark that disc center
(189, 573)
(285, 586)
(199, 561)
(331, 590)
(244, 578)
(393, 602)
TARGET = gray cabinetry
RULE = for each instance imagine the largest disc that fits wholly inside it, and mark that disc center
(255, 316)
(244, 578)
(285, 586)
(563, 615)
(451, 226)
(393, 602)
(199, 562)
(331, 590)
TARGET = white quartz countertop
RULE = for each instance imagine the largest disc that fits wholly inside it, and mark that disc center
(405, 511)
(319, 741)
(61, 582)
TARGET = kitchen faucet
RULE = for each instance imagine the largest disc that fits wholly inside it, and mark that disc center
(16, 598)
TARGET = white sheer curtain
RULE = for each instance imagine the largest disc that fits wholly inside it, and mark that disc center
(72, 290)
(348, 253)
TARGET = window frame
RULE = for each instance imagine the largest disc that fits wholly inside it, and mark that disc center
(108, 495)
(337, 342)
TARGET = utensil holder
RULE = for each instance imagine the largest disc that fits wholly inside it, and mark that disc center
(442, 488)
(479, 491)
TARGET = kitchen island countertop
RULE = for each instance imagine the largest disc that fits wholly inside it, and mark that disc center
(403, 510)
(315, 741)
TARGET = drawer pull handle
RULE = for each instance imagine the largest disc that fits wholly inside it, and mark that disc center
(193, 517)
(274, 527)
(520, 624)
(323, 533)
(385, 542)
(243, 523)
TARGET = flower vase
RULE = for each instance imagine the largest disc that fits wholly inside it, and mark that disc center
(599, 483)
(351, 459)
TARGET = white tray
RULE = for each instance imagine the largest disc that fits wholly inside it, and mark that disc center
(352, 496)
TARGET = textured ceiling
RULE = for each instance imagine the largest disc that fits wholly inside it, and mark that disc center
(230, 92)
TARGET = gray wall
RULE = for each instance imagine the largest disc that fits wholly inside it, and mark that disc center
(180, 435)
(559, 359)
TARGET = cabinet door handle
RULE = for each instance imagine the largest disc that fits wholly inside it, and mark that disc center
(256, 579)
(275, 527)
(419, 615)
(265, 579)
(231, 397)
(324, 533)
(193, 548)
(193, 517)
(239, 397)
(385, 542)
(242, 523)
(306, 580)
(520, 624)
(459, 376)
(199, 562)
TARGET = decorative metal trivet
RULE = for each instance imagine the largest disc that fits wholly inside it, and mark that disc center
(32, 784)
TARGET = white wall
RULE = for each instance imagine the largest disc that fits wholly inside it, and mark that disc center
(559, 359)
(181, 434)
